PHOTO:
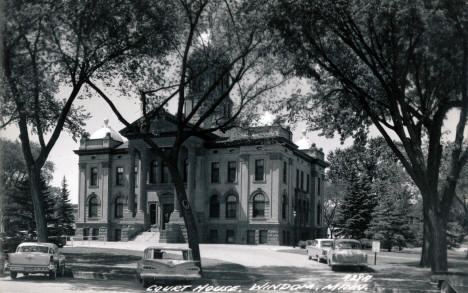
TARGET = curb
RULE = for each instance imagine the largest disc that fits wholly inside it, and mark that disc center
(87, 275)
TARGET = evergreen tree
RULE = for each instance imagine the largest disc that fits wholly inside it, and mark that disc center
(64, 210)
(354, 214)
(19, 213)
(390, 221)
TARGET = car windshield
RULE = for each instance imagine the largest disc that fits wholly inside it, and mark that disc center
(43, 249)
(167, 254)
(327, 243)
(348, 245)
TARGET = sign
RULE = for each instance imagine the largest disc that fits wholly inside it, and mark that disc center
(375, 246)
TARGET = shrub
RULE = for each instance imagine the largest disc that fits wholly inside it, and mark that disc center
(302, 244)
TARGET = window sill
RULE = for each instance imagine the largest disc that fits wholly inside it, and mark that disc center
(258, 218)
(93, 186)
(260, 181)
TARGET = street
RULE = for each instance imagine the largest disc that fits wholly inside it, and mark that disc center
(246, 268)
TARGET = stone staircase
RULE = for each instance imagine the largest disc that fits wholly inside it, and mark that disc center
(150, 237)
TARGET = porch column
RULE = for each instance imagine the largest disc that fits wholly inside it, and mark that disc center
(131, 182)
(175, 216)
(143, 180)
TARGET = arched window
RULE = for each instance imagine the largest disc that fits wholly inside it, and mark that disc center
(93, 207)
(258, 206)
(284, 208)
(231, 206)
(214, 207)
(153, 171)
(119, 205)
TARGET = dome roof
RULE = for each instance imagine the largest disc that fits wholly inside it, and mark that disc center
(102, 132)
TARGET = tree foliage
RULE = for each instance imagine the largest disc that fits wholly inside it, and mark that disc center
(397, 65)
(48, 45)
(63, 210)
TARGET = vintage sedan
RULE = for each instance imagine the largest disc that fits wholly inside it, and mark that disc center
(163, 263)
(346, 252)
(36, 257)
(319, 248)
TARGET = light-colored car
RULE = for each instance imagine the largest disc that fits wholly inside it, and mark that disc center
(346, 252)
(319, 248)
(36, 257)
(167, 264)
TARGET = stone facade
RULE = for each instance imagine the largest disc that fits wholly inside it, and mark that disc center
(250, 187)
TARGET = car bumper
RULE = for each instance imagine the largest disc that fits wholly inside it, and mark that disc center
(177, 277)
(29, 269)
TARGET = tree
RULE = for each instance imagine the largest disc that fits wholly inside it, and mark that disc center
(48, 45)
(334, 194)
(224, 41)
(390, 220)
(16, 213)
(398, 66)
(354, 214)
(64, 210)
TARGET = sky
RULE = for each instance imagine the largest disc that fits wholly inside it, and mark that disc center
(66, 161)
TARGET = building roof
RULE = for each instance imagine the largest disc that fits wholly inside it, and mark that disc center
(106, 130)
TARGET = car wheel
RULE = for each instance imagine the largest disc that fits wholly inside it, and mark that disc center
(62, 271)
(333, 268)
(13, 275)
(25, 274)
(145, 283)
(310, 257)
(446, 288)
(53, 274)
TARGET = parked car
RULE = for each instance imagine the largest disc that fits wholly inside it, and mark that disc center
(167, 264)
(36, 257)
(318, 249)
(346, 252)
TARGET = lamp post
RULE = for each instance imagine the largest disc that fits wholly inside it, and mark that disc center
(295, 228)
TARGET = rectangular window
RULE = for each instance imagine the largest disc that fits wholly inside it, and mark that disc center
(164, 172)
(308, 183)
(230, 236)
(118, 234)
(263, 237)
(95, 234)
(318, 185)
(302, 180)
(297, 178)
(250, 236)
(259, 169)
(285, 172)
(231, 171)
(119, 176)
(214, 236)
(214, 172)
(85, 233)
(94, 177)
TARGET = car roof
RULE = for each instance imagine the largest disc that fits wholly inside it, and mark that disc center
(167, 248)
(324, 239)
(51, 245)
(347, 240)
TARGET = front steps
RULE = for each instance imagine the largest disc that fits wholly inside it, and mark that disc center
(150, 237)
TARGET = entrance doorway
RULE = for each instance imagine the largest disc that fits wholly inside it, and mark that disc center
(153, 213)
(168, 208)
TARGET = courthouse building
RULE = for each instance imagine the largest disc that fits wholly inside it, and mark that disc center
(249, 186)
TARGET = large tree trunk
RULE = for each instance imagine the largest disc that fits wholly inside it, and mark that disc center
(438, 248)
(189, 218)
(425, 253)
(38, 204)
